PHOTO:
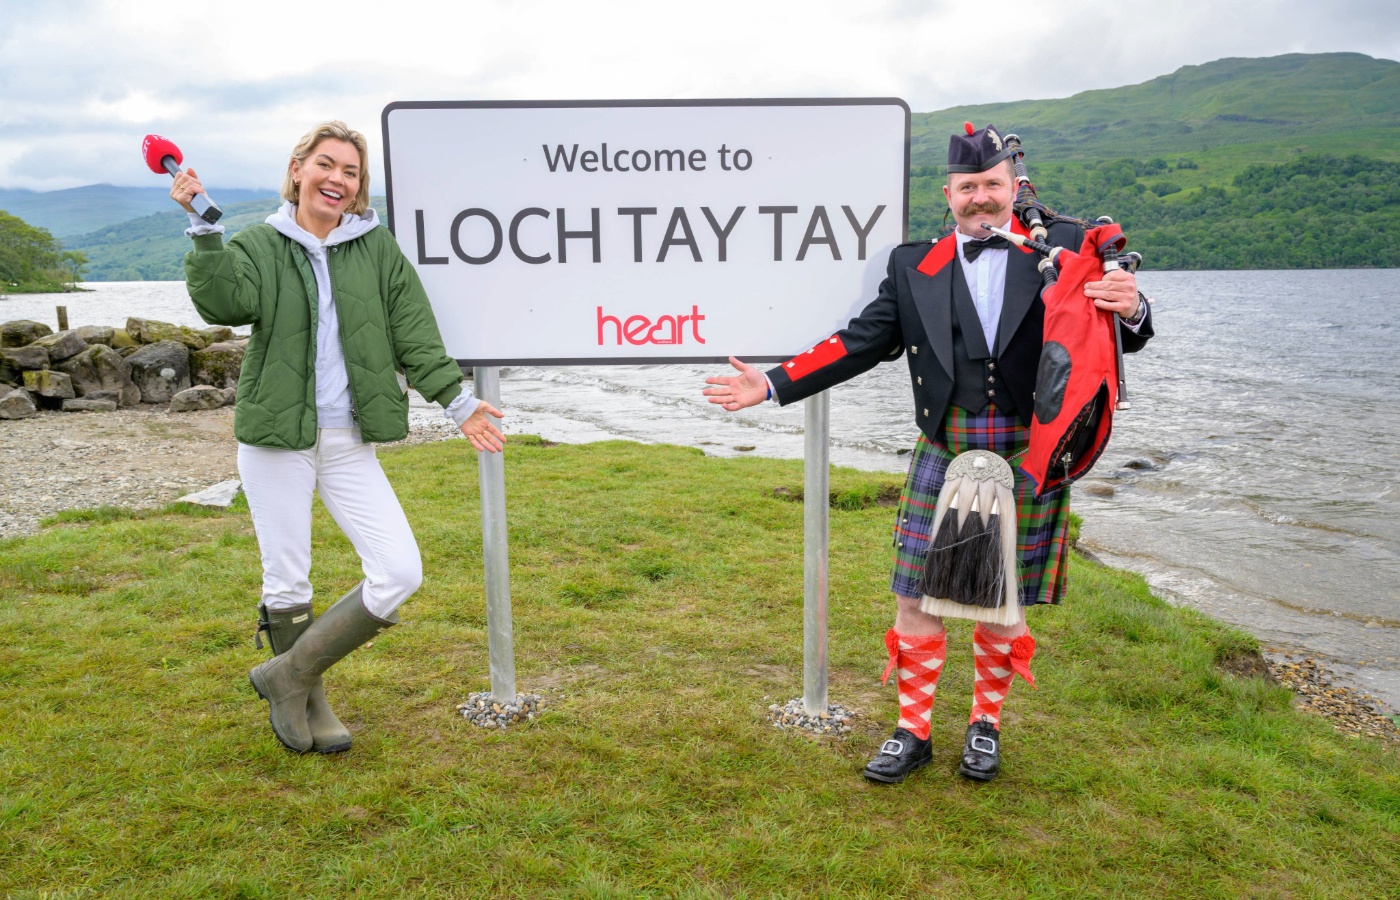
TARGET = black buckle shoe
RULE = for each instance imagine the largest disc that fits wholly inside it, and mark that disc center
(900, 755)
(981, 757)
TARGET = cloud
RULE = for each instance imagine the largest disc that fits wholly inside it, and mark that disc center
(237, 84)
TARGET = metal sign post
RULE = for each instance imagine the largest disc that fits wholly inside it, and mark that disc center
(816, 508)
(492, 470)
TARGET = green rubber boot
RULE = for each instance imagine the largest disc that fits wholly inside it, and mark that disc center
(286, 681)
(283, 627)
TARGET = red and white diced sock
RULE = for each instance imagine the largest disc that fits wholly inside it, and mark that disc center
(996, 661)
(919, 658)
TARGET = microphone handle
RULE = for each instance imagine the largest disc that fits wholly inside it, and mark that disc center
(205, 208)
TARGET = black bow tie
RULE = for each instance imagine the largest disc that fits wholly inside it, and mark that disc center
(973, 249)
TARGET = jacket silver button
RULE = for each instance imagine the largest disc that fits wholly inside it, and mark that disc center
(991, 365)
(991, 380)
(991, 393)
(913, 349)
(926, 413)
(921, 379)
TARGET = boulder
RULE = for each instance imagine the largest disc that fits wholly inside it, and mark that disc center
(61, 345)
(87, 404)
(150, 331)
(21, 332)
(160, 370)
(46, 383)
(128, 350)
(114, 396)
(9, 376)
(201, 396)
(16, 404)
(24, 358)
(217, 364)
(230, 395)
(220, 495)
(100, 368)
(121, 339)
(82, 371)
(96, 334)
(217, 333)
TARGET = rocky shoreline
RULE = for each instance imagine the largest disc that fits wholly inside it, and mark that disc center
(96, 368)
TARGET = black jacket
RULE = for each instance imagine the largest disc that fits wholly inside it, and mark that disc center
(913, 311)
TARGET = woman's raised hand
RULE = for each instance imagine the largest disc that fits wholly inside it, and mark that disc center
(185, 187)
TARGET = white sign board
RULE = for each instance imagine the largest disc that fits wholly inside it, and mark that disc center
(646, 231)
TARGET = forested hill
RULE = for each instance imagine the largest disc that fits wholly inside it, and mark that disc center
(1286, 162)
(82, 210)
(152, 248)
(1339, 103)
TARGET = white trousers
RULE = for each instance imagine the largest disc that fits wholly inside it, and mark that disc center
(347, 475)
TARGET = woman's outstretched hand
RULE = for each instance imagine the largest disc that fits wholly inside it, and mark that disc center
(748, 388)
(185, 187)
(481, 431)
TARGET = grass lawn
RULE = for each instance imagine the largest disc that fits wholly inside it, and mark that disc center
(658, 607)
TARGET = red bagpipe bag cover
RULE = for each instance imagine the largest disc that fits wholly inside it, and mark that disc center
(1076, 385)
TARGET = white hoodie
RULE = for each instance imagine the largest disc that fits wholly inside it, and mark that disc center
(333, 401)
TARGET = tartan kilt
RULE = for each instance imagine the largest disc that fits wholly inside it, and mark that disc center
(1042, 542)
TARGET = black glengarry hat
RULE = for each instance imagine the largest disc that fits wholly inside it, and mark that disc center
(977, 150)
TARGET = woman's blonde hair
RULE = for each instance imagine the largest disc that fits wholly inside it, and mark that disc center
(341, 132)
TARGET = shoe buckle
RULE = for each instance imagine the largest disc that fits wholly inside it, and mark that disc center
(892, 747)
(982, 744)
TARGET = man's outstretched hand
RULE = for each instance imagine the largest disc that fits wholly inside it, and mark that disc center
(483, 434)
(733, 392)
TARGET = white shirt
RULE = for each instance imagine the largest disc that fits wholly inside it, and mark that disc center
(986, 281)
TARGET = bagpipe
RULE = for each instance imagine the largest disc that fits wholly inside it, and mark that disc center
(1081, 381)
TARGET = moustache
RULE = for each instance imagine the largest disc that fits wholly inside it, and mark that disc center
(990, 208)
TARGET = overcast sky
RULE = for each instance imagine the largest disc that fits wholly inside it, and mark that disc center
(236, 83)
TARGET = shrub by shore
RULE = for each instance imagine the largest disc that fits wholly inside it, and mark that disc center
(657, 598)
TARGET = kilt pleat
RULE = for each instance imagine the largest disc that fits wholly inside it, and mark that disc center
(1042, 526)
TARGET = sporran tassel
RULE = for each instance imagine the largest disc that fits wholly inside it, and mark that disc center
(977, 549)
(969, 570)
(937, 580)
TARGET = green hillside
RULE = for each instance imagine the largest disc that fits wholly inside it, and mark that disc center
(81, 210)
(152, 248)
(1237, 163)
(1257, 108)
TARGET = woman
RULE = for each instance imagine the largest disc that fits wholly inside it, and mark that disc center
(337, 312)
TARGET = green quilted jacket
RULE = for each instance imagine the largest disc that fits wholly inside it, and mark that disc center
(263, 279)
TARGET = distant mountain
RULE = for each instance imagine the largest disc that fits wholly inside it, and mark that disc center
(82, 210)
(152, 248)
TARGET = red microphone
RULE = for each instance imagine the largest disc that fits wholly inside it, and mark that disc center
(163, 156)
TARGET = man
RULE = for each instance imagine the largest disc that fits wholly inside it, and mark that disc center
(968, 312)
